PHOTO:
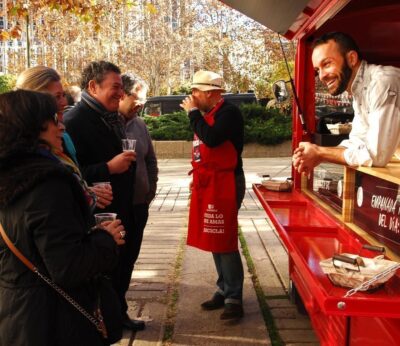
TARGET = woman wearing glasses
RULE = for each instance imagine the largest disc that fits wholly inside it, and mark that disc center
(44, 212)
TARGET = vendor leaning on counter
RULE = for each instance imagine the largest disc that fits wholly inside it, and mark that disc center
(375, 133)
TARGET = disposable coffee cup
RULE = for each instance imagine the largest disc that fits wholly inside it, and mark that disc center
(102, 217)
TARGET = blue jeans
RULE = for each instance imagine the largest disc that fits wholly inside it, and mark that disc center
(230, 276)
(229, 265)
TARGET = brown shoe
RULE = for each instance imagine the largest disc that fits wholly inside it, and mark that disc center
(216, 302)
(232, 312)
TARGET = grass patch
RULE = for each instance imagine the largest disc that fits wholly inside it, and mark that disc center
(173, 295)
(276, 340)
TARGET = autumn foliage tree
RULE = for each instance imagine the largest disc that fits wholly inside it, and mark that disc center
(163, 41)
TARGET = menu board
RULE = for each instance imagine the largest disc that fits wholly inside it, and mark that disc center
(377, 209)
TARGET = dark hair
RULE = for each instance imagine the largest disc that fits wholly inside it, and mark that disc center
(69, 98)
(23, 115)
(128, 82)
(345, 42)
(97, 71)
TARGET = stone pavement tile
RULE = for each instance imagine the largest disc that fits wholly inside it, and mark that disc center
(154, 266)
(266, 273)
(162, 251)
(289, 312)
(279, 303)
(194, 326)
(153, 314)
(277, 253)
(147, 286)
(290, 336)
(151, 274)
(150, 255)
(293, 323)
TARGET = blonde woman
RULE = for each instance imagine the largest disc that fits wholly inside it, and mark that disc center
(47, 80)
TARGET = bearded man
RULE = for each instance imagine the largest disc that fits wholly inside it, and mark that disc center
(375, 89)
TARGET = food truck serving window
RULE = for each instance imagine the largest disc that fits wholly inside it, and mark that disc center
(337, 209)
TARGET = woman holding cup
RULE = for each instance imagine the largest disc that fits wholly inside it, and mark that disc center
(45, 214)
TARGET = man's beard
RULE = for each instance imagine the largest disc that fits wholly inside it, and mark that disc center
(345, 76)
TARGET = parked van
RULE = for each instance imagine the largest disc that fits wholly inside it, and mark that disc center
(160, 105)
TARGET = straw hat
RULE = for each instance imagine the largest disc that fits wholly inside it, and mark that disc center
(207, 80)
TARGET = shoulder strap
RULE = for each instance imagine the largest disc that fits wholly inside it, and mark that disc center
(15, 251)
(97, 320)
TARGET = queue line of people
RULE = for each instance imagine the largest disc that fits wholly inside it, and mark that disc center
(51, 145)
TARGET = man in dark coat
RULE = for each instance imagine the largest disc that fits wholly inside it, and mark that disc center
(96, 131)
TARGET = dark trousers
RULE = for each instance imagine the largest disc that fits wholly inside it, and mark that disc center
(129, 253)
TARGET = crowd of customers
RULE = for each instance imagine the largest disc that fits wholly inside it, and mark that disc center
(52, 153)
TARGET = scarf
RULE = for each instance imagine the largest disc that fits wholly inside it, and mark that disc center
(73, 168)
(110, 119)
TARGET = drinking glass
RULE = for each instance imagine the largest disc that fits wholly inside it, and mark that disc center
(129, 144)
(102, 217)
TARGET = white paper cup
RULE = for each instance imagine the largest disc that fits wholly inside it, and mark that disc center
(102, 217)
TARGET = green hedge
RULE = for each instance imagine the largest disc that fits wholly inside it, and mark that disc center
(265, 126)
(261, 125)
(7, 83)
(170, 127)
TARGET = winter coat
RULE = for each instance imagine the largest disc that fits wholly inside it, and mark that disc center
(44, 213)
(96, 144)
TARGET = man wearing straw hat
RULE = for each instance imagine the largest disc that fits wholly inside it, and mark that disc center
(218, 187)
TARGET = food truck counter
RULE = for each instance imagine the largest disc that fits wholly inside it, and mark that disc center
(339, 209)
(313, 231)
(390, 173)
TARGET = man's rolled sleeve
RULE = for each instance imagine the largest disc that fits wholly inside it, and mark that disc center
(374, 145)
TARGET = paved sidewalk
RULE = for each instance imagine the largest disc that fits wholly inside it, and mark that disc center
(164, 239)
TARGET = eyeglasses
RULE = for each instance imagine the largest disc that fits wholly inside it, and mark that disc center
(55, 118)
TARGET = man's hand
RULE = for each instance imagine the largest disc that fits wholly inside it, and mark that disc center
(188, 103)
(121, 162)
(306, 157)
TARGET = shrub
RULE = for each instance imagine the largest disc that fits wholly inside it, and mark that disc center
(261, 125)
(170, 127)
(265, 126)
(7, 83)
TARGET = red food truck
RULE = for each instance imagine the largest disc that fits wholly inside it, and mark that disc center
(338, 209)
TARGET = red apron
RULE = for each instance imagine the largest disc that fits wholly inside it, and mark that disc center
(213, 211)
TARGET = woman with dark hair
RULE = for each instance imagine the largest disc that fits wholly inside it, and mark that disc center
(44, 212)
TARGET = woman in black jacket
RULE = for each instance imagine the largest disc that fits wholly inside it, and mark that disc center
(46, 215)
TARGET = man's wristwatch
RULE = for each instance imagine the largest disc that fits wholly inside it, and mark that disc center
(193, 109)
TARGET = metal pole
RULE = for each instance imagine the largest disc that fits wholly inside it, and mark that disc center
(28, 44)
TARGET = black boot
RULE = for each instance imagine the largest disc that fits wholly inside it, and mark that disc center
(134, 325)
(232, 312)
(216, 302)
